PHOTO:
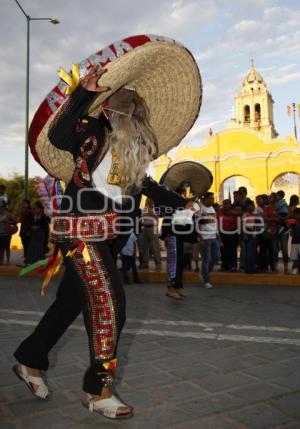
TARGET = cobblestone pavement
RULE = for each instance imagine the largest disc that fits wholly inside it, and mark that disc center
(226, 358)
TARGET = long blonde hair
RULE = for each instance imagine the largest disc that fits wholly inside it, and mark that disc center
(134, 143)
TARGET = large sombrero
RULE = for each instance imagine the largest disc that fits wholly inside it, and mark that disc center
(196, 175)
(161, 70)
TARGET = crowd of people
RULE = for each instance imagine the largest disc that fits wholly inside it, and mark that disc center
(252, 236)
(34, 230)
(260, 230)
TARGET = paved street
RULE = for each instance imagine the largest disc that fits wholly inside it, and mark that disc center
(226, 358)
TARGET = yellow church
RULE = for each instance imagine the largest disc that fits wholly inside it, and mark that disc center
(248, 151)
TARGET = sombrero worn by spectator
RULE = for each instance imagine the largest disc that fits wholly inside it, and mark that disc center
(190, 180)
(100, 141)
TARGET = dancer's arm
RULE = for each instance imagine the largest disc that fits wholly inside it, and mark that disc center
(64, 132)
(162, 196)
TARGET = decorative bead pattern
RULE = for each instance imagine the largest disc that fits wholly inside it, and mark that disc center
(171, 256)
(101, 305)
(89, 227)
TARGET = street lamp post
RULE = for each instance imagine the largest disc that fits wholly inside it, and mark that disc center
(294, 118)
(291, 108)
(28, 19)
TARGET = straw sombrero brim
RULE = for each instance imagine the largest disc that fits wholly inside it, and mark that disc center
(198, 176)
(167, 77)
(162, 72)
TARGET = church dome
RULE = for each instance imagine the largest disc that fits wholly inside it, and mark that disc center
(252, 77)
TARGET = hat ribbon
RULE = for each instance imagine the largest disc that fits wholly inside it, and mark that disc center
(72, 79)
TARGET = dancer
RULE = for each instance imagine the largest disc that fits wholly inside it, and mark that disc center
(113, 134)
(190, 180)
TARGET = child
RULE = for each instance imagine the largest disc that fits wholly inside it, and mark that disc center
(295, 234)
(128, 256)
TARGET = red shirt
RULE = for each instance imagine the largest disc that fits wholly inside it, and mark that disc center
(269, 213)
(227, 222)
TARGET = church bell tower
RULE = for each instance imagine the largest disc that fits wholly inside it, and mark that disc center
(254, 105)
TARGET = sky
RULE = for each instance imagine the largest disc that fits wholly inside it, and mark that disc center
(223, 36)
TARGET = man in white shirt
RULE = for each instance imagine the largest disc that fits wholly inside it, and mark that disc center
(209, 237)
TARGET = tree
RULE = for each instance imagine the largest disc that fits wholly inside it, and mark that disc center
(15, 193)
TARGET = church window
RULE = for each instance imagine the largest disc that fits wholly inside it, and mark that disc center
(257, 112)
(247, 113)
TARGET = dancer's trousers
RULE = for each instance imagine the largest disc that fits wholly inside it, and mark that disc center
(174, 245)
(95, 288)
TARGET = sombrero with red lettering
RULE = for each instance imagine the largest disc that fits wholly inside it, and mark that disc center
(197, 176)
(161, 70)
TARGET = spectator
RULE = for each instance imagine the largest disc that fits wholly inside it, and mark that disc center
(195, 254)
(280, 203)
(228, 230)
(3, 195)
(39, 234)
(243, 191)
(209, 237)
(238, 202)
(26, 225)
(128, 256)
(238, 207)
(8, 227)
(217, 207)
(280, 242)
(294, 202)
(250, 230)
(266, 248)
(149, 235)
(295, 234)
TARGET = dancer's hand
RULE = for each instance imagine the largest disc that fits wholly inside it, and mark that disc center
(90, 81)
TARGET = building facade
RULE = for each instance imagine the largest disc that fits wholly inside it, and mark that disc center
(249, 151)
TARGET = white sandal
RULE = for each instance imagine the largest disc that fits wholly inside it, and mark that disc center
(42, 391)
(107, 407)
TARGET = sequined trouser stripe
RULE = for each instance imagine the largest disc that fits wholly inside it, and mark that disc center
(103, 308)
(171, 256)
(95, 289)
(174, 246)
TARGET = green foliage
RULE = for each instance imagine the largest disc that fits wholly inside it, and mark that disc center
(15, 193)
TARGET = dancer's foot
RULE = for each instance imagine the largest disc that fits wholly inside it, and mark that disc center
(172, 293)
(33, 380)
(108, 405)
(182, 292)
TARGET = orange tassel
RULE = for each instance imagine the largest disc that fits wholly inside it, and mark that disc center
(52, 270)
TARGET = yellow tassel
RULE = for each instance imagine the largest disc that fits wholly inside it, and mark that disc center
(85, 254)
(187, 192)
(63, 186)
(111, 364)
(72, 80)
(70, 253)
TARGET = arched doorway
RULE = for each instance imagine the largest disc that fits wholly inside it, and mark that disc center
(287, 182)
(232, 184)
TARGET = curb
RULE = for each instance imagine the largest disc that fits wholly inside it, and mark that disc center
(192, 277)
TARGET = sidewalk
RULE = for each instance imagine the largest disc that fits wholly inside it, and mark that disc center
(190, 277)
(226, 358)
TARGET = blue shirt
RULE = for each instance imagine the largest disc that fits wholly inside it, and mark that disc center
(128, 249)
